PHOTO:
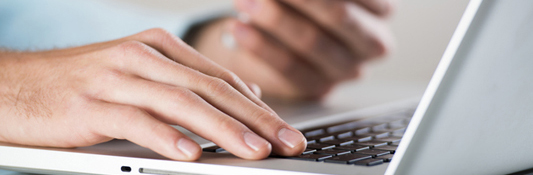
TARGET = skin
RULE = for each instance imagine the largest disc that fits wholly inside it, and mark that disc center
(133, 88)
(300, 49)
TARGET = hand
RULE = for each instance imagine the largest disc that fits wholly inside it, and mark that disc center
(300, 49)
(132, 88)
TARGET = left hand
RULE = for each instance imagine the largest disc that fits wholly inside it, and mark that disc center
(299, 49)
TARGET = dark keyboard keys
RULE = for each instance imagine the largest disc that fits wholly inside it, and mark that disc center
(359, 138)
(376, 135)
(345, 134)
(363, 142)
(352, 148)
(319, 146)
(315, 132)
(380, 127)
(386, 158)
(360, 131)
(311, 157)
(390, 140)
(320, 138)
(391, 149)
(215, 149)
(339, 142)
(333, 152)
(347, 126)
(347, 158)
(372, 144)
(369, 162)
(373, 152)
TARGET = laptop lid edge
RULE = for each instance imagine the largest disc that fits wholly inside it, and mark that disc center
(440, 72)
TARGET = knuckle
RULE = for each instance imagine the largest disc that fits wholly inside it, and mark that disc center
(133, 47)
(229, 77)
(217, 86)
(157, 33)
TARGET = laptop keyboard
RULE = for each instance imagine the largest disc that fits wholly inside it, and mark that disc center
(365, 142)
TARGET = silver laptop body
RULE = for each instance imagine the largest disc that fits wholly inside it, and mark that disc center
(474, 118)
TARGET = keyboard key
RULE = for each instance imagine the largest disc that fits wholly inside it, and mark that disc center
(345, 134)
(347, 126)
(373, 152)
(309, 151)
(215, 149)
(332, 152)
(319, 146)
(315, 132)
(376, 135)
(380, 127)
(352, 148)
(372, 144)
(360, 131)
(389, 140)
(358, 138)
(347, 158)
(320, 138)
(391, 149)
(311, 157)
(369, 162)
(386, 158)
(339, 142)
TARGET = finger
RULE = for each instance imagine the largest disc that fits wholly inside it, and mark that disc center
(134, 124)
(180, 106)
(301, 35)
(365, 33)
(147, 63)
(379, 7)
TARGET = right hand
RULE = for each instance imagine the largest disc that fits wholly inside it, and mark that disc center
(133, 88)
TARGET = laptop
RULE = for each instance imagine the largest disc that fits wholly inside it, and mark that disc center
(475, 117)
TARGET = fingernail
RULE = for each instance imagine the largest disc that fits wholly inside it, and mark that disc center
(289, 137)
(188, 147)
(254, 141)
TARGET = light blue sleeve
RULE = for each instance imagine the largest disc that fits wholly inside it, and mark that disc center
(49, 24)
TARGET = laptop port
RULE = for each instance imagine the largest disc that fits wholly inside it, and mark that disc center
(125, 169)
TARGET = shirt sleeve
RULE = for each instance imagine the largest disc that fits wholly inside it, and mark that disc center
(44, 25)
